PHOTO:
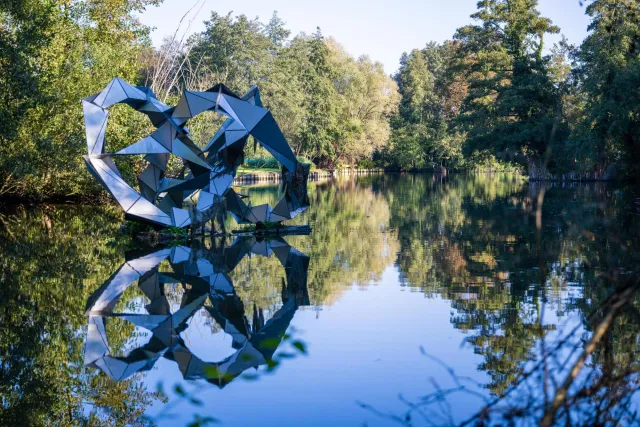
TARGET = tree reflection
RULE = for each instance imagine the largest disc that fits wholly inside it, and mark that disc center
(517, 261)
(54, 257)
(50, 256)
(351, 242)
(507, 258)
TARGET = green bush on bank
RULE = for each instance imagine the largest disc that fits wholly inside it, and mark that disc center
(271, 163)
(491, 164)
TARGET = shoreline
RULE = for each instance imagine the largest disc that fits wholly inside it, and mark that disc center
(317, 176)
(314, 176)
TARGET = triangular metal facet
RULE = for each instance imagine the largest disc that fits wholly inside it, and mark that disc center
(148, 145)
(115, 95)
(198, 104)
(248, 114)
(182, 110)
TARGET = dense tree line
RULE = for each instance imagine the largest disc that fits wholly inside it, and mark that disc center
(495, 96)
(333, 108)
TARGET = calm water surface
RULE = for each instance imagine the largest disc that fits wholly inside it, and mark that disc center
(416, 300)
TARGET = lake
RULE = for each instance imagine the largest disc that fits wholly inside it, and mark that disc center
(416, 300)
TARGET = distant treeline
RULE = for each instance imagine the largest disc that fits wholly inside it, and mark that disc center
(493, 97)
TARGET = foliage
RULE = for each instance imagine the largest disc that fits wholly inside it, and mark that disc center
(332, 108)
(471, 241)
(52, 259)
(269, 163)
(52, 55)
(423, 135)
(493, 96)
(608, 70)
(493, 92)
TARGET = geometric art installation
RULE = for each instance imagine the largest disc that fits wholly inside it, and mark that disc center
(202, 275)
(207, 174)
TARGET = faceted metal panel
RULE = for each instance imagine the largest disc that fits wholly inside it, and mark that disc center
(228, 110)
(108, 160)
(199, 103)
(205, 200)
(181, 150)
(158, 160)
(269, 135)
(220, 183)
(249, 115)
(132, 91)
(95, 119)
(180, 217)
(147, 145)
(253, 96)
(119, 189)
(261, 212)
(145, 209)
(151, 177)
(165, 134)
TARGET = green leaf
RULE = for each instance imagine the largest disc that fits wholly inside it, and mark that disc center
(302, 347)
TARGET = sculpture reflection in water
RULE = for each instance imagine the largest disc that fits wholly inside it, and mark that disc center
(204, 274)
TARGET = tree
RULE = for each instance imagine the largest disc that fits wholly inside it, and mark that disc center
(51, 261)
(365, 99)
(332, 108)
(25, 28)
(235, 51)
(423, 135)
(609, 71)
(53, 54)
(512, 104)
(276, 31)
(318, 129)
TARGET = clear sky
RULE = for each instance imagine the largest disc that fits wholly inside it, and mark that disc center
(382, 29)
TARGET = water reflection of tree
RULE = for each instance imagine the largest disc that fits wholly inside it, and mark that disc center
(51, 259)
(465, 239)
(484, 245)
(474, 241)
(350, 243)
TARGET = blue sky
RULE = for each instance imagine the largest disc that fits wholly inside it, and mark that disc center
(382, 29)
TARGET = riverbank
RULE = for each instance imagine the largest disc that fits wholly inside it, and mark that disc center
(268, 176)
(246, 176)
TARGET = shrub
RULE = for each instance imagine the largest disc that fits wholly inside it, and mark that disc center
(306, 161)
(271, 163)
(267, 162)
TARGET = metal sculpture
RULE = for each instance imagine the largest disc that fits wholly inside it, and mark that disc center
(207, 174)
(203, 274)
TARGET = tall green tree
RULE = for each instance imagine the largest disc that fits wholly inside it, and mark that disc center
(276, 30)
(25, 28)
(53, 54)
(318, 130)
(609, 72)
(423, 135)
(512, 104)
(332, 108)
(233, 50)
